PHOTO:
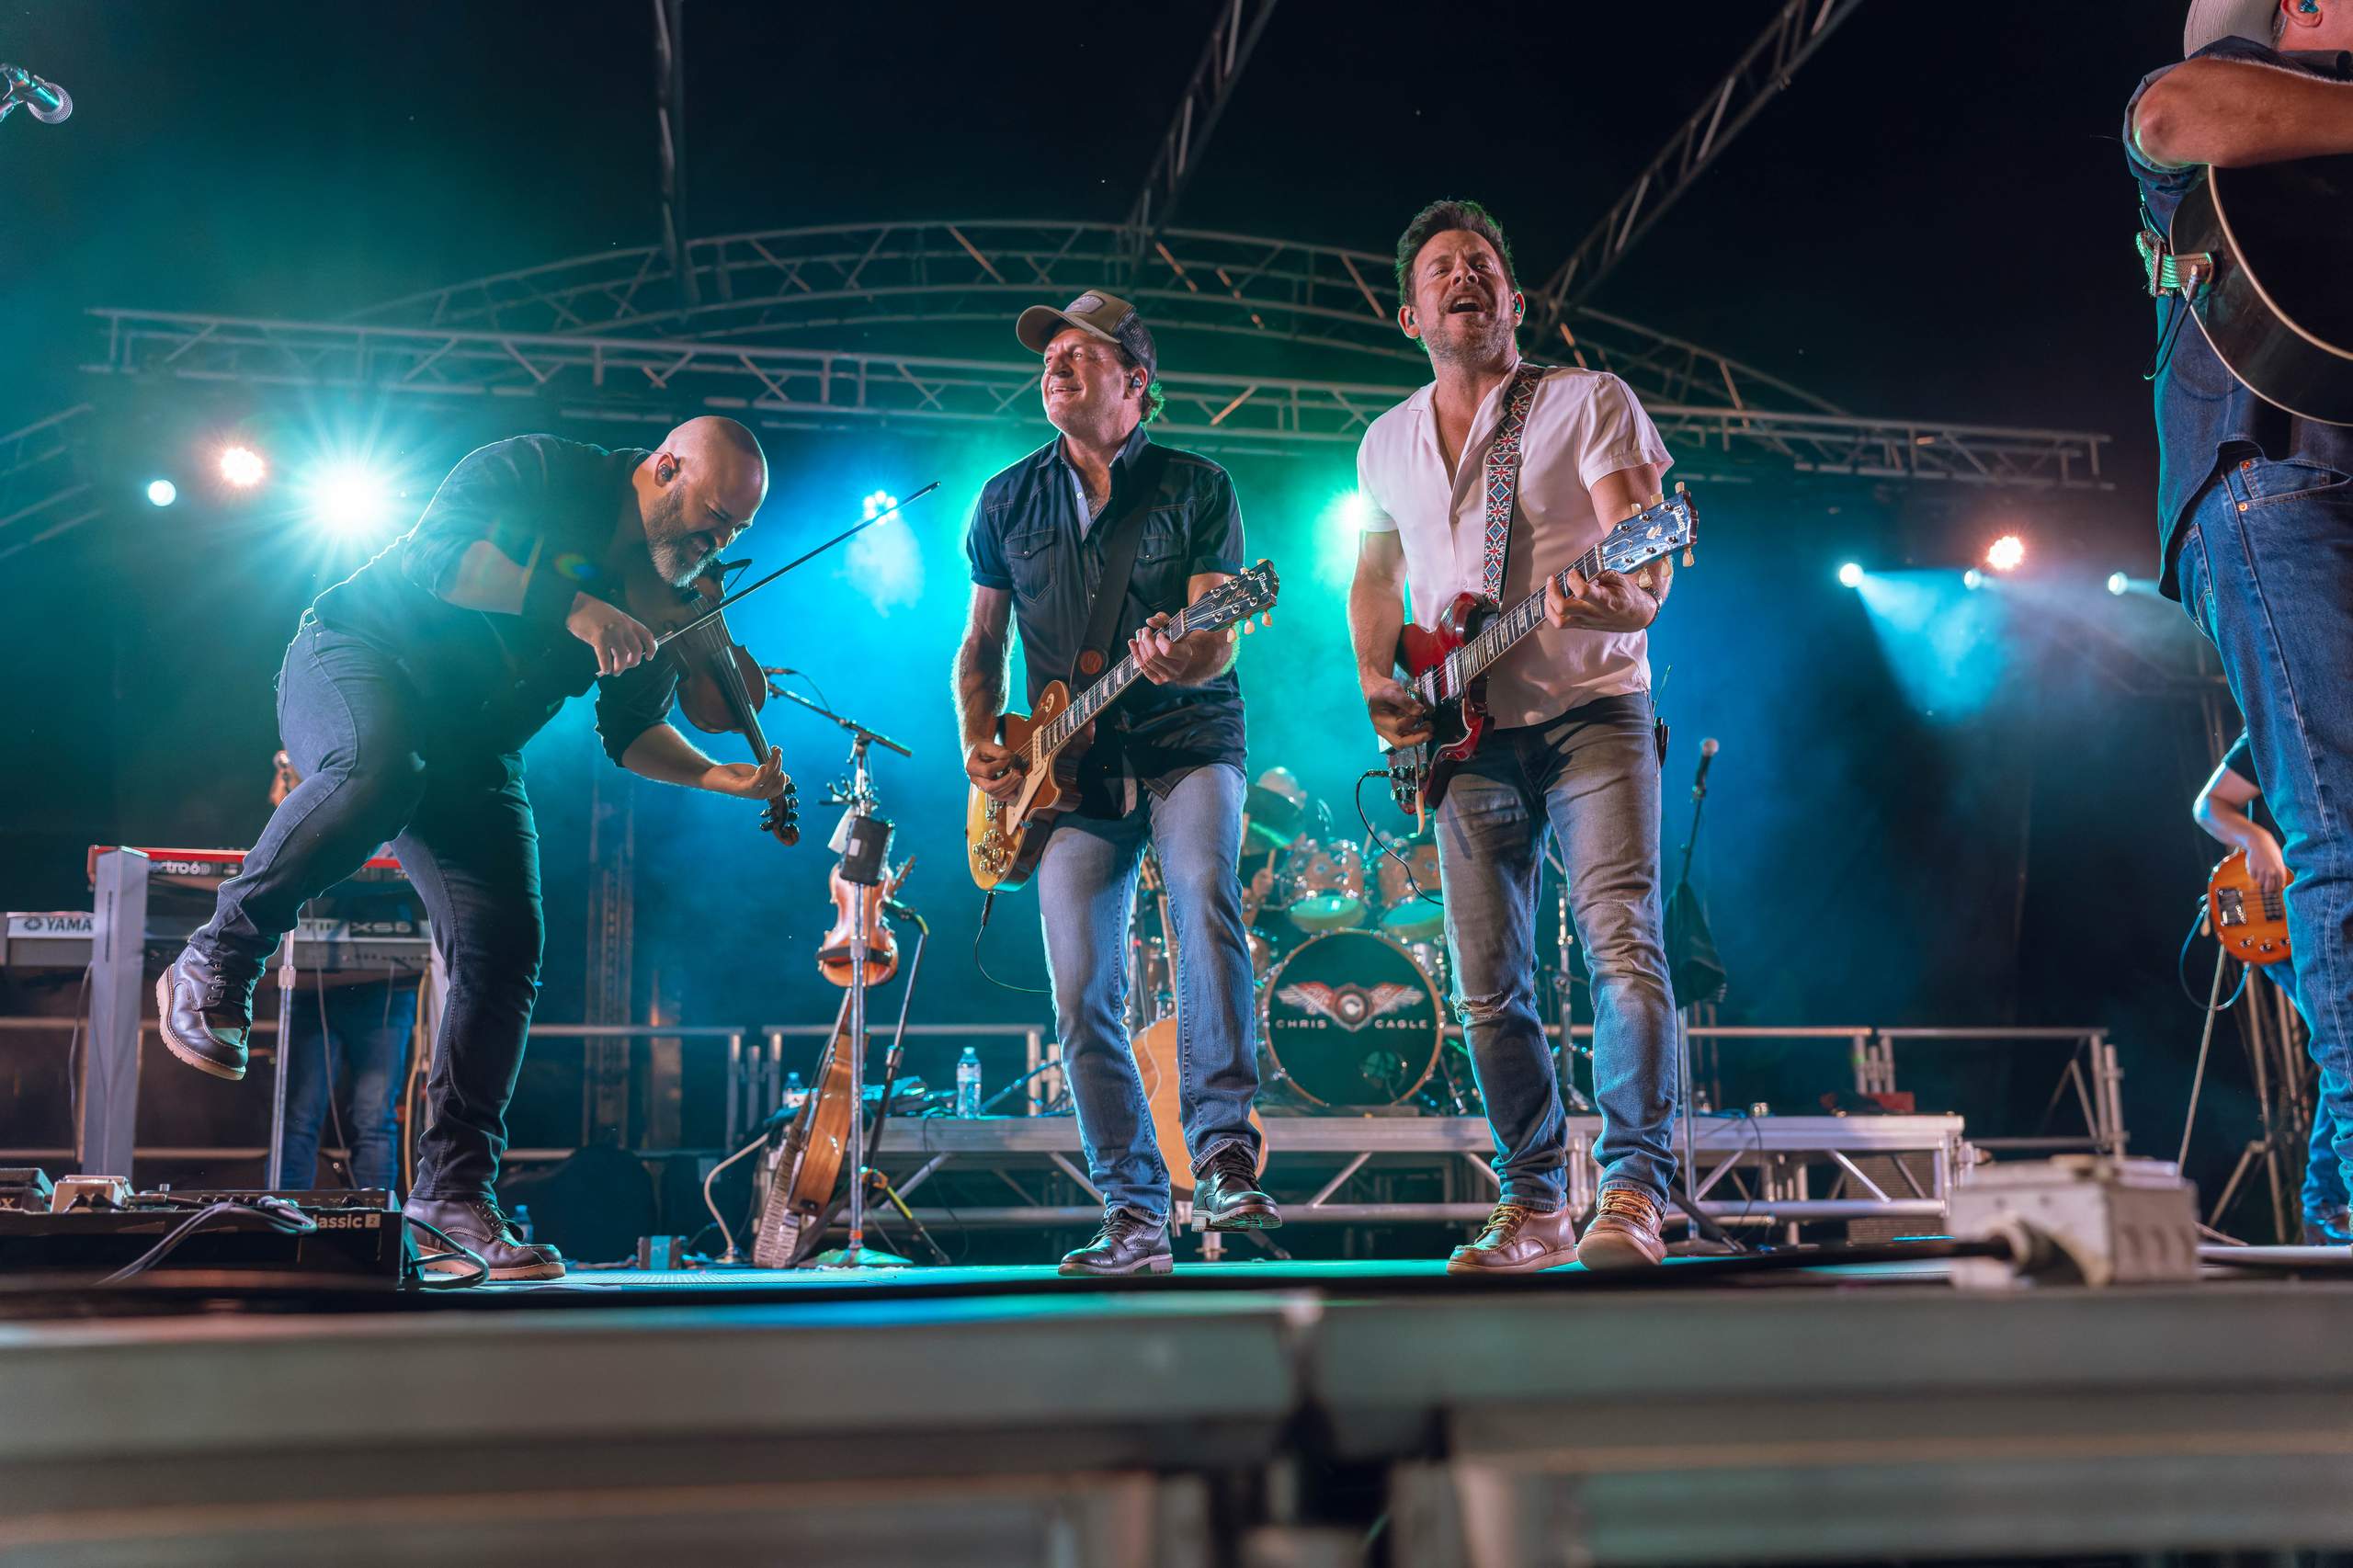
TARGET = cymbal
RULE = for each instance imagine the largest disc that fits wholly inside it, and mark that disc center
(1271, 820)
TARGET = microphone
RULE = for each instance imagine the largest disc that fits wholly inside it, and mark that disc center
(1708, 749)
(778, 670)
(49, 102)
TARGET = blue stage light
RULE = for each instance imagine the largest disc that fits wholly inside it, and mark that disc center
(1850, 575)
(350, 499)
(1973, 579)
(163, 492)
(2118, 583)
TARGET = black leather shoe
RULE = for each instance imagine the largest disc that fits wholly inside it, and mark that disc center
(1129, 1243)
(1226, 1195)
(205, 1017)
(476, 1223)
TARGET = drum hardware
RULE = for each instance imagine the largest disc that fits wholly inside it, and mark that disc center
(1323, 888)
(1350, 1019)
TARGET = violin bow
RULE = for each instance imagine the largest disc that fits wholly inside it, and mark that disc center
(741, 594)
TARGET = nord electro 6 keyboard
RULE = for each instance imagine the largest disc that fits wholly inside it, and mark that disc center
(201, 871)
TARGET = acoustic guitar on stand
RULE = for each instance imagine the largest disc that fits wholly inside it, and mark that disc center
(1445, 666)
(1003, 839)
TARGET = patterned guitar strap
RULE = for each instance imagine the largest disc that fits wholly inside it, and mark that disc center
(1502, 472)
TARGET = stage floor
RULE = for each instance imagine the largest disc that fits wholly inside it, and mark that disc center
(1696, 1414)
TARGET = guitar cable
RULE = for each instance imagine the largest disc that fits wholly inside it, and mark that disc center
(2181, 967)
(988, 901)
(1387, 846)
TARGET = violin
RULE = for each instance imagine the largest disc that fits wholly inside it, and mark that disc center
(720, 688)
(881, 942)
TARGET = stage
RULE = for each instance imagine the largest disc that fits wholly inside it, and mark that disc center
(1703, 1414)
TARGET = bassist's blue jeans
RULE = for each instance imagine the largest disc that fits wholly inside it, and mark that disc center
(2266, 569)
(1086, 890)
(1590, 777)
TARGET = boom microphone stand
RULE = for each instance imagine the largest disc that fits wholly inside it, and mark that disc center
(863, 841)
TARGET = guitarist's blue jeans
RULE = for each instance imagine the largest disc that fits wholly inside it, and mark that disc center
(1086, 890)
(1591, 778)
(2266, 569)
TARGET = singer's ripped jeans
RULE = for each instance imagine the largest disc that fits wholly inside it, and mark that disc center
(1086, 890)
(2265, 570)
(1589, 777)
(376, 770)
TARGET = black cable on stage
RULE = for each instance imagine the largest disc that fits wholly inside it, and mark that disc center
(275, 1212)
(429, 1281)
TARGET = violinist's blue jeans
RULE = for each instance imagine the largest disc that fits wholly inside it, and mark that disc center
(376, 770)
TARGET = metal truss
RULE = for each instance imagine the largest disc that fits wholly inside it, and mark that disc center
(42, 493)
(655, 378)
(1232, 38)
(1754, 81)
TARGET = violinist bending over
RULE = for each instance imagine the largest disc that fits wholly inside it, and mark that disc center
(404, 701)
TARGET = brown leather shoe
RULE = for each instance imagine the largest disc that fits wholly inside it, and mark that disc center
(1624, 1232)
(1517, 1240)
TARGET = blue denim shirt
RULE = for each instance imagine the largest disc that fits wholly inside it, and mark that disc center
(1026, 536)
(2201, 407)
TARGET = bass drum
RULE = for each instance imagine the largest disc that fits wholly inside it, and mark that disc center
(1350, 1019)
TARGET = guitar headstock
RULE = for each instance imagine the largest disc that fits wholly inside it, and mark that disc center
(1667, 524)
(1236, 600)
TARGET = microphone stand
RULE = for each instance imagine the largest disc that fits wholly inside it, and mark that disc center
(864, 843)
(1701, 1223)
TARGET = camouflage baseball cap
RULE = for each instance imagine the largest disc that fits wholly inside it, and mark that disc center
(1100, 315)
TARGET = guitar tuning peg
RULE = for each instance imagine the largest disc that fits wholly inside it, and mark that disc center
(1267, 618)
(1681, 488)
(1248, 626)
(1659, 496)
(1686, 555)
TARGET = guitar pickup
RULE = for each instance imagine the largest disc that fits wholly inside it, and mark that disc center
(2230, 904)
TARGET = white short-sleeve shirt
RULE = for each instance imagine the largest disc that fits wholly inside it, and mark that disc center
(1580, 425)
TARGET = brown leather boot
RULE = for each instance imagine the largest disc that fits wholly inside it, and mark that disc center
(1517, 1240)
(1624, 1232)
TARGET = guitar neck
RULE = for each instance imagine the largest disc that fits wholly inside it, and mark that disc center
(1500, 635)
(1089, 705)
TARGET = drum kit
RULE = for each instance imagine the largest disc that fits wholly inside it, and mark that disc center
(1350, 970)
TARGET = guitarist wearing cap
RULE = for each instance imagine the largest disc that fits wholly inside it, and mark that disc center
(2255, 502)
(1574, 751)
(1088, 543)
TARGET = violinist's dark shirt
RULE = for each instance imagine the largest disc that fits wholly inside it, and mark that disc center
(494, 680)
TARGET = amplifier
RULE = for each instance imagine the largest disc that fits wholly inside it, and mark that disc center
(360, 1241)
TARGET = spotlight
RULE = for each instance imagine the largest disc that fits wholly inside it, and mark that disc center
(1850, 575)
(2118, 583)
(350, 499)
(242, 467)
(879, 503)
(1973, 579)
(2006, 554)
(163, 492)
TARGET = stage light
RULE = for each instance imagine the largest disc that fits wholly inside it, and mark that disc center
(2006, 554)
(883, 565)
(879, 503)
(350, 499)
(1850, 575)
(163, 492)
(242, 467)
(1973, 579)
(2118, 583)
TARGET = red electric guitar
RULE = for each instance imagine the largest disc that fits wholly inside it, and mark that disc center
(1447, 665)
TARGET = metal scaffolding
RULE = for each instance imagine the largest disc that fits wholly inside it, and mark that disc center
(1233, 37)
(42, 490)
(609, 377)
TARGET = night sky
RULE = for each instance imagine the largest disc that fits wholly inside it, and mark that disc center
(1935, 220)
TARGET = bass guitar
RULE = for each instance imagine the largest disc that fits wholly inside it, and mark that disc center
(1445, 666)
(2262, 255)
(2252, 924)
(1003, 839)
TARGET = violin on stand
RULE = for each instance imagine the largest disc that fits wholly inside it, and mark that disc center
(830, 1129)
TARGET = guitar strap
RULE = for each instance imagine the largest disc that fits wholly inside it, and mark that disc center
(1502, 472)
(1120, 529)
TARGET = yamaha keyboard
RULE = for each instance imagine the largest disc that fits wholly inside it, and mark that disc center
(358, 949)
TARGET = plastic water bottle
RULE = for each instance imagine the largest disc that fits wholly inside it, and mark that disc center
(796, 1094)
(968, 1083)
